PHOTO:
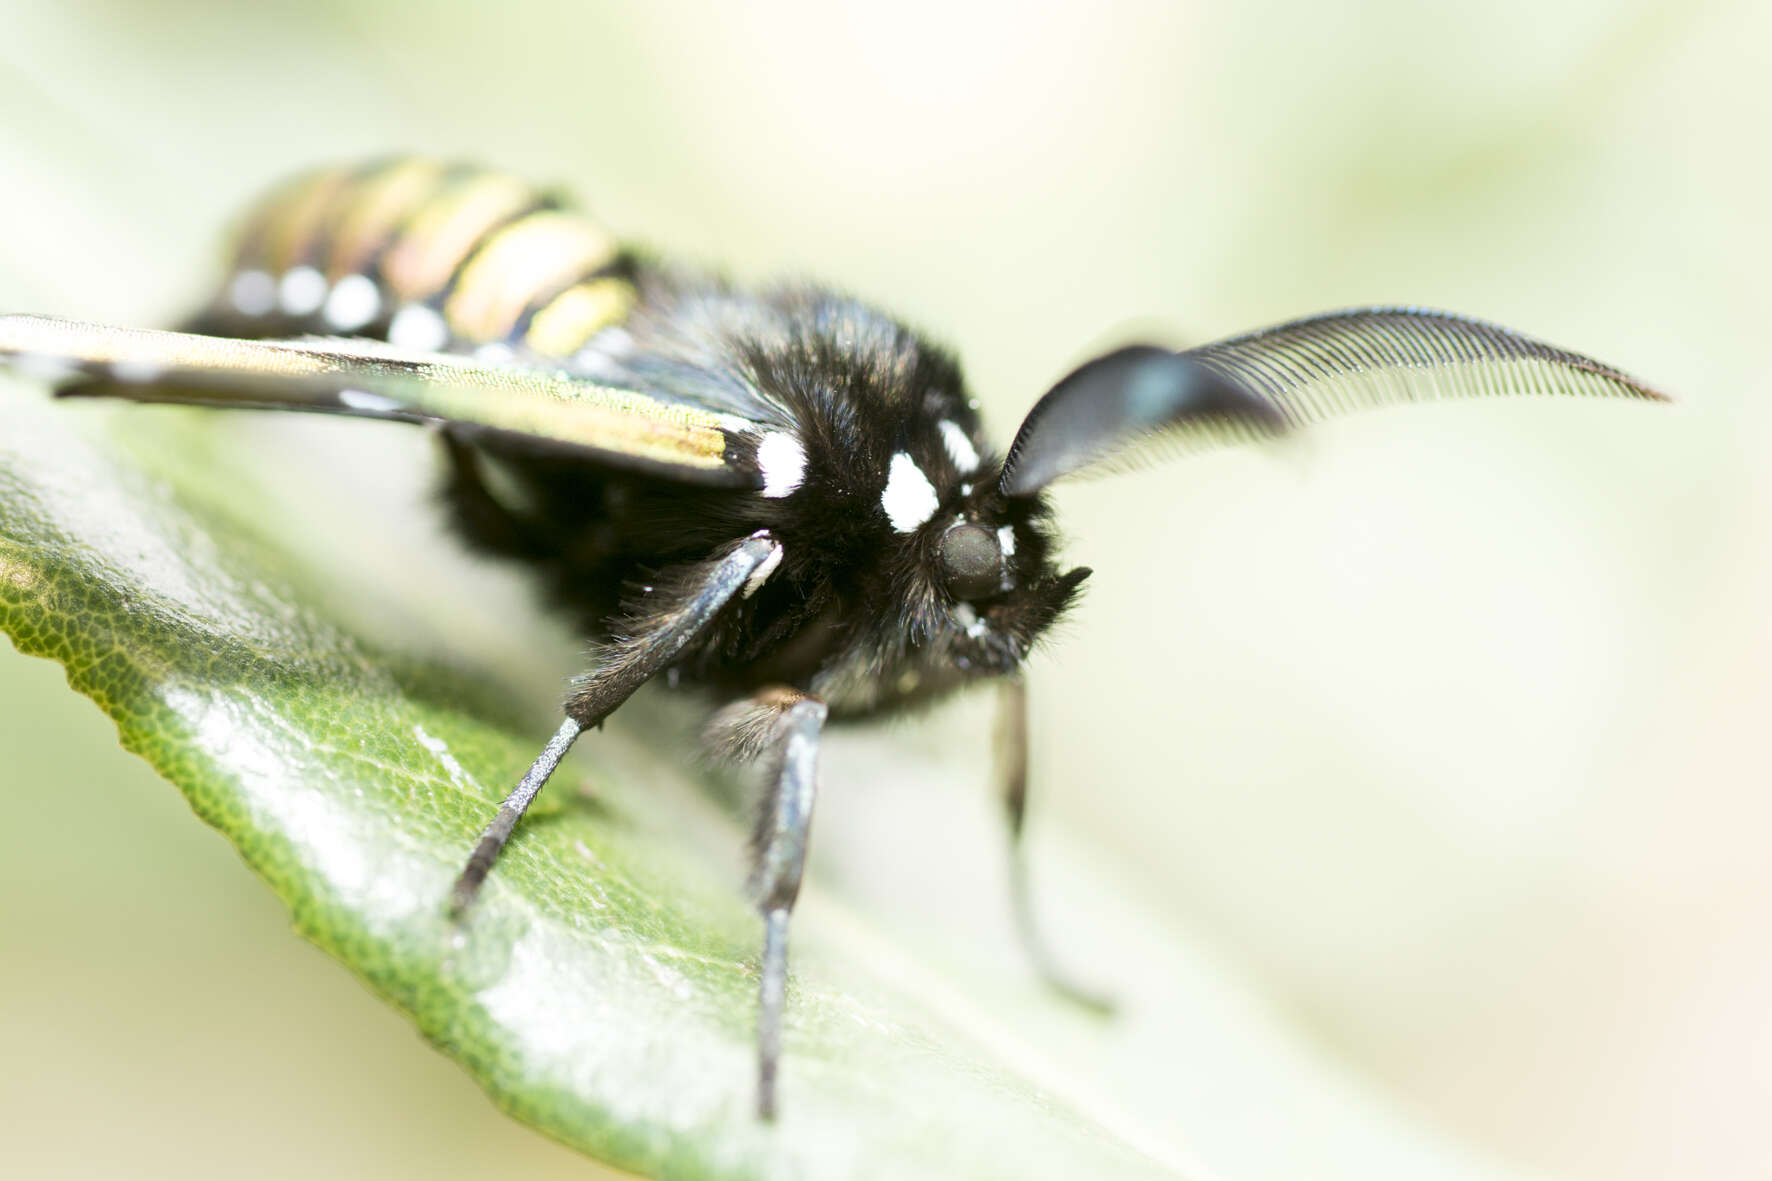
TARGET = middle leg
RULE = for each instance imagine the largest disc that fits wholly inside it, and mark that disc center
(784, 726)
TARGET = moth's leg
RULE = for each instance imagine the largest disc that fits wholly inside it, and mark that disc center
(1012, 771)
(684, 603)
(785, 726)
(493, 837)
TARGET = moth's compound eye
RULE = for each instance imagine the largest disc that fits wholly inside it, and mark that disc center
(971, 561)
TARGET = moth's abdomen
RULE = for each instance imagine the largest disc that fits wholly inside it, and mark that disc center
(426, 255)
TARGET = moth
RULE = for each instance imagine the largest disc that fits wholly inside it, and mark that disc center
(779, 498)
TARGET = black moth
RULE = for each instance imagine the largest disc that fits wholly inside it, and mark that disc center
(781, 498)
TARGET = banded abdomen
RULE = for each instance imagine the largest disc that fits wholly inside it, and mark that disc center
(427, 255)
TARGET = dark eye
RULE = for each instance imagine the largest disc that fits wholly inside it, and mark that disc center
(971, 562)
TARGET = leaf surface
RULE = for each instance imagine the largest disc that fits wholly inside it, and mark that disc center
(604, 988)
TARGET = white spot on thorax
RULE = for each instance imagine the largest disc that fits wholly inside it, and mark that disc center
(354, 302)
(909, 498)
(1006, 543)
(301, 291)
(783, 461)
(253, 293)
(418, 327)
(960, 448)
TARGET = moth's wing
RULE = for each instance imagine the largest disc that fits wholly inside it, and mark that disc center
(545, 411)
(1137, 404)
(1362, 358)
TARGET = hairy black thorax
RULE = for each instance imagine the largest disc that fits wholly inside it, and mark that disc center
(889, 455)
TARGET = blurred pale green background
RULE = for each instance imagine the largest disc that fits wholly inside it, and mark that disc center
(1440, 733)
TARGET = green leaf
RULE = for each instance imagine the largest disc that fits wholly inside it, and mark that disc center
(350, 724)
(604, 989)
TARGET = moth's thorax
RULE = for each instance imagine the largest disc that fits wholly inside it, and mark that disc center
(904, 573)
(883, 490)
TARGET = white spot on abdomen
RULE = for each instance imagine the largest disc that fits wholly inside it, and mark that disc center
(43, 366)
(783, 462)
(253, 293)
(354, 302)
(419, 328)
(138, 372)
(909, 498)
(960, 448)
(301, 291)
(1006, 540)
(367, 402)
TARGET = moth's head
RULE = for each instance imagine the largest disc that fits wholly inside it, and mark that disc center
(972, 571)
(984, 541)
(992, 564)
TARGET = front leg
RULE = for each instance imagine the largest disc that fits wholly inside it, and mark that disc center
(653, 639)
(1012, 770)
(784, 726)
